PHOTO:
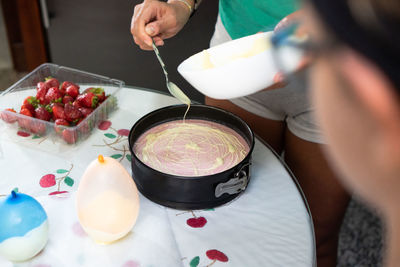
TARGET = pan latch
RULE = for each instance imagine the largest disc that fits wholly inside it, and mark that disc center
(236, 184)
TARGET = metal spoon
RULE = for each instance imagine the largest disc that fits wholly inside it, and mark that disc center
(172, 88)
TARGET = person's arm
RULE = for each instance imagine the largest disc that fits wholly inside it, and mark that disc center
(159, 20)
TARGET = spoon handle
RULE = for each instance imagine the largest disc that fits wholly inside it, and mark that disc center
(160, 60)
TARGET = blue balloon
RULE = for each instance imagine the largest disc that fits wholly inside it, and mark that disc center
(19, 214)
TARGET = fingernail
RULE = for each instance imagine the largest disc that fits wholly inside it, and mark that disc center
(150, 30)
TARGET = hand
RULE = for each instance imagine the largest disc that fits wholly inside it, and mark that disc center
(288, 20)
(157, 20)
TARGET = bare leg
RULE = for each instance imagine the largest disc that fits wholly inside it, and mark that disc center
(269, 130)
(326, 196)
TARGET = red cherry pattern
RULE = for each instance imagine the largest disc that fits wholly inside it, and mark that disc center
(214, 254)
(23, 134)
(118, 141)
(123, 132)
(57, 193)
(198, 222)
(195, 222)
(78, 230)
(48, 180)
(104, 125)
(131, 263)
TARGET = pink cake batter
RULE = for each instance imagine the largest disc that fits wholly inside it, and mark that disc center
(191, 147)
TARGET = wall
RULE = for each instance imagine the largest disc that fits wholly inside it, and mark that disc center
(94, 35)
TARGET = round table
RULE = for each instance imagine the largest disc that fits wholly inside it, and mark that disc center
(268, 225)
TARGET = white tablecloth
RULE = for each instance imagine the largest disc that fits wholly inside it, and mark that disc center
(268, 225)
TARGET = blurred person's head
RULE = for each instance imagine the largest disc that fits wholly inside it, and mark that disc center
(356, 91)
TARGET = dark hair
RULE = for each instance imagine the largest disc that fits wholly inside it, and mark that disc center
(371, 27)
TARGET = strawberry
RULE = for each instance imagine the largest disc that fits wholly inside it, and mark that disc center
(30, 107)
(97, 91)
(25, 122)
(26, 112)
(58, 111)
(72, 114)
(64, 86)
(84, 127)
(9, 118)
(52, 82)
(42, 89)
(53, 95)
(58, 125)
(85, 111)
(73, 90)
(67, 99)
(41, 113)
(42, 85)
(38, 127)
(61, 122)
(69, 136)
(88, 100)
(32, 101)
(76, 104)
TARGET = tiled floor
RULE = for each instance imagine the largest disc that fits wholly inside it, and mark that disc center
(8, 77)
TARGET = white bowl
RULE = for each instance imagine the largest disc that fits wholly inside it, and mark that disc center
(235, 68)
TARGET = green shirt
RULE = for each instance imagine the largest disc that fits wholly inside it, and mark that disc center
(245, 17)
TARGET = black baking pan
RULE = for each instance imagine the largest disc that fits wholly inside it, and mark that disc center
(188, 193)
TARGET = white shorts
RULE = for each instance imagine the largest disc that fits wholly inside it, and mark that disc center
(290, 104)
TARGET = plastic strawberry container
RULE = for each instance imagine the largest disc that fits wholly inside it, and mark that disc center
(23, 128)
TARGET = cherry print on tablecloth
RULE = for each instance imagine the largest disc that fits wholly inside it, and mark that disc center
(131, 263)
(104, 125)
(23, 134)
(216, 255)
(123, 132)
(78, 230)
(51, 180)
(213, 254)
(119, 141)
(195, 222)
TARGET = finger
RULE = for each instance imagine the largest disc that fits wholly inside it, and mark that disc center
(134, 24)
(156, 27)
(282, 24)
(159, 41)
(145, 14)
(146, 47)
(278, 77)
(304, 62)
(137, 9)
